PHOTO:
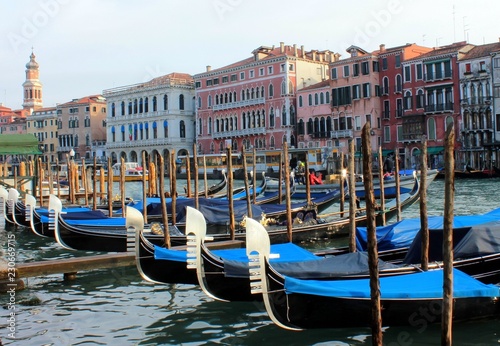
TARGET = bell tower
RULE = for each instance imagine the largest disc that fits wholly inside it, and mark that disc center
(32, 88)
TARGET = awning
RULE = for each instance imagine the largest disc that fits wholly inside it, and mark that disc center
(16, 144)
(435, 150)
(430, 151)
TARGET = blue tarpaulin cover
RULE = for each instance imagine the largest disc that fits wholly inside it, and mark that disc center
(401, 234)
(425, 285)
(288, 252)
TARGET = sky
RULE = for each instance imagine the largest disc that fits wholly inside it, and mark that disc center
(86, 46)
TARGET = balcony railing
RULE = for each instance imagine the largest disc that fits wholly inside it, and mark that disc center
(439, 107)
(240, 133)
(476, 101)
(230, 105)
(142, 143)
(341, 134)
(443, 74)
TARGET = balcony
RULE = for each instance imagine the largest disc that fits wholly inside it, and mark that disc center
(476, 101)
(439, 75)
(341, 134)
(239, 133)
(323, 134)
(237, 104)
(142, 143)
(439, 107)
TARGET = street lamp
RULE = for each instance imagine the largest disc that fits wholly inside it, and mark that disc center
(71, 154)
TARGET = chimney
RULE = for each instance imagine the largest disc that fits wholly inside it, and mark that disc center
(313, 55)
(302, 52)
(294, 50)
(209, 68)
(282, 47)
(382, 47)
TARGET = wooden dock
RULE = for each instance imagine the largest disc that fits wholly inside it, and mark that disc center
(71, 266)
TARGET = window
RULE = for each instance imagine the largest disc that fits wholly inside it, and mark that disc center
(399, 133)
(251, 73)
(242, 75)
(357, 123)
(420, 99)
(384, 64)
(300, 101)
(496, 62)
(399, 84)
(365, 68)
(355, 70)
(334, 72)
(377, 90)
(198, 84)
(310, 99)
(431, 129)
(181, 102)
(399, 108)
(182, 129)
(482, 66)
(356, 91)
(386, 110)
(387, 134)
(366, 89)
(407, 101)
(407, 73)
(398, 61)
(261, 71)
(216, 81)
(209, 82)
(346, 71)
(375, 66)
(467, 68)
(271, 90)
(225, 79)
(269, 70)
(290, 67)
(418, 69)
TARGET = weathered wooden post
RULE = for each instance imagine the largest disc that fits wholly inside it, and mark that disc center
(424, 224)
(94, 184)
(308, 182)
(372, 237)
(188, 175)
(289, 222)
(352, 199)
(381, 185)
(145, 178)
(449, 196)
(173, 188)
(245, 179)
(196, 188)
(398, 185)
(122, 184)
(205, 175)
(110, 187)
(341, 180)
(163, 201)
(230, 192)
(280, 178)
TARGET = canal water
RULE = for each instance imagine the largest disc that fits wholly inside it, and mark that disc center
(116, 307)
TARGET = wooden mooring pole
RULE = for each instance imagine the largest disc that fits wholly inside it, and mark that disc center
(372, 237)
(352, 199)
(424, 222)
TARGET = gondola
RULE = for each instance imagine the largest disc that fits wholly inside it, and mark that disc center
(214, 189)
(297, 304)
(212, 267)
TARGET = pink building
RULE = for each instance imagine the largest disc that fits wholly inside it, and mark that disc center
(252, 103)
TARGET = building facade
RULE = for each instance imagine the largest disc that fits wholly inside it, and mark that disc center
(156, 117)
(80, 124)
(432, 95)
(478, 132)
(42, 123)
(252, 103)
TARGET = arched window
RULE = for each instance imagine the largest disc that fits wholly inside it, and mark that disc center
(135, 106)
(316, 100)
(386, 85)
(182, 129)
(310, 100)
(243, 95)
(199, 102)
(252, 95)
(283, 116)
(328, 126)
(322, 127)
(399, 83)
(271, 117)
(165, 102)
(271, 142)
(407, 100)
(155, 107)
(431, 129)
(262, 94)
(283, 88)
(449, 122)
(146, 105)
(113, 109)
(300, 128)
(165, 129)
(271, 90)
(310, 127)
(141, 105)
(300, 101)
(322, 98)
(181, 102)
(209, 129)
(292, 115)
(209, 101)
(244, 120)
(122, 110)
(130, 107)
(327, 97)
